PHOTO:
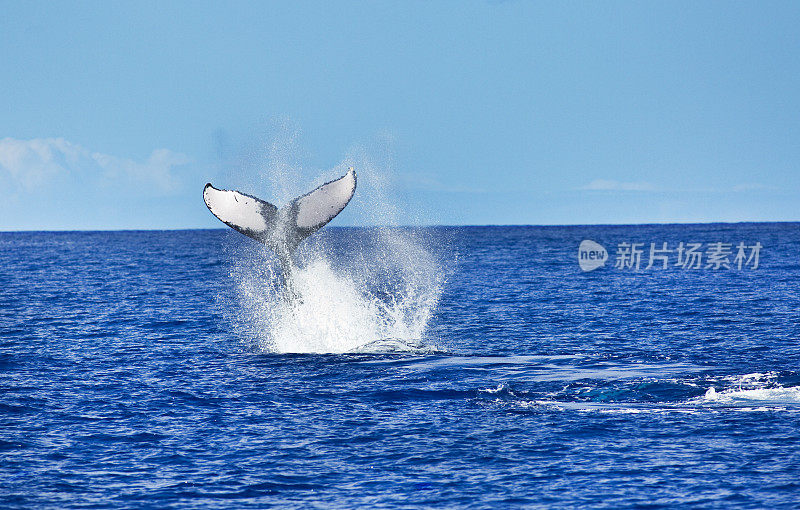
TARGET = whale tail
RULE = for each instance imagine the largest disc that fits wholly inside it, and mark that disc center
(282, 229)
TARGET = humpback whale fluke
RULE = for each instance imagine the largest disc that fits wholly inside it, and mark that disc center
(282, 229)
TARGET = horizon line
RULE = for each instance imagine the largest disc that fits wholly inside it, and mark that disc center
(484, 225)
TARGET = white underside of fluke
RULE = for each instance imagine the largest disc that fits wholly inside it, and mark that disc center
(294, 222)
(324, 203)
(235, 208)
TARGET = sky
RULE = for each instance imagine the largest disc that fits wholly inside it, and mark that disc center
(114, 115)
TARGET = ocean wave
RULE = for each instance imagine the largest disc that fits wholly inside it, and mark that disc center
(765, 396)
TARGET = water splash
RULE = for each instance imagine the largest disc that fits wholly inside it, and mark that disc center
(336, 312)
(749, 389)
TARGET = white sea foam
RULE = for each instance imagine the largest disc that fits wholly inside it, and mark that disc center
(748, 390)
(755, 392)
(500, 387)
(779, 395)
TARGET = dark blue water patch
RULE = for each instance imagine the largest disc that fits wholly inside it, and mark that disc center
(124, 383)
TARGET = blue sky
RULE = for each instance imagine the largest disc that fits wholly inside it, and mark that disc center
(114, 115)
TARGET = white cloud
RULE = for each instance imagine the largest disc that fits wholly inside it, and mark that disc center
(33, 164)
(608, 185)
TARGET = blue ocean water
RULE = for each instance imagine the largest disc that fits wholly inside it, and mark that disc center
(434, 367)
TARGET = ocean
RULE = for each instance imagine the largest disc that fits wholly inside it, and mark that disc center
(440, 367)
